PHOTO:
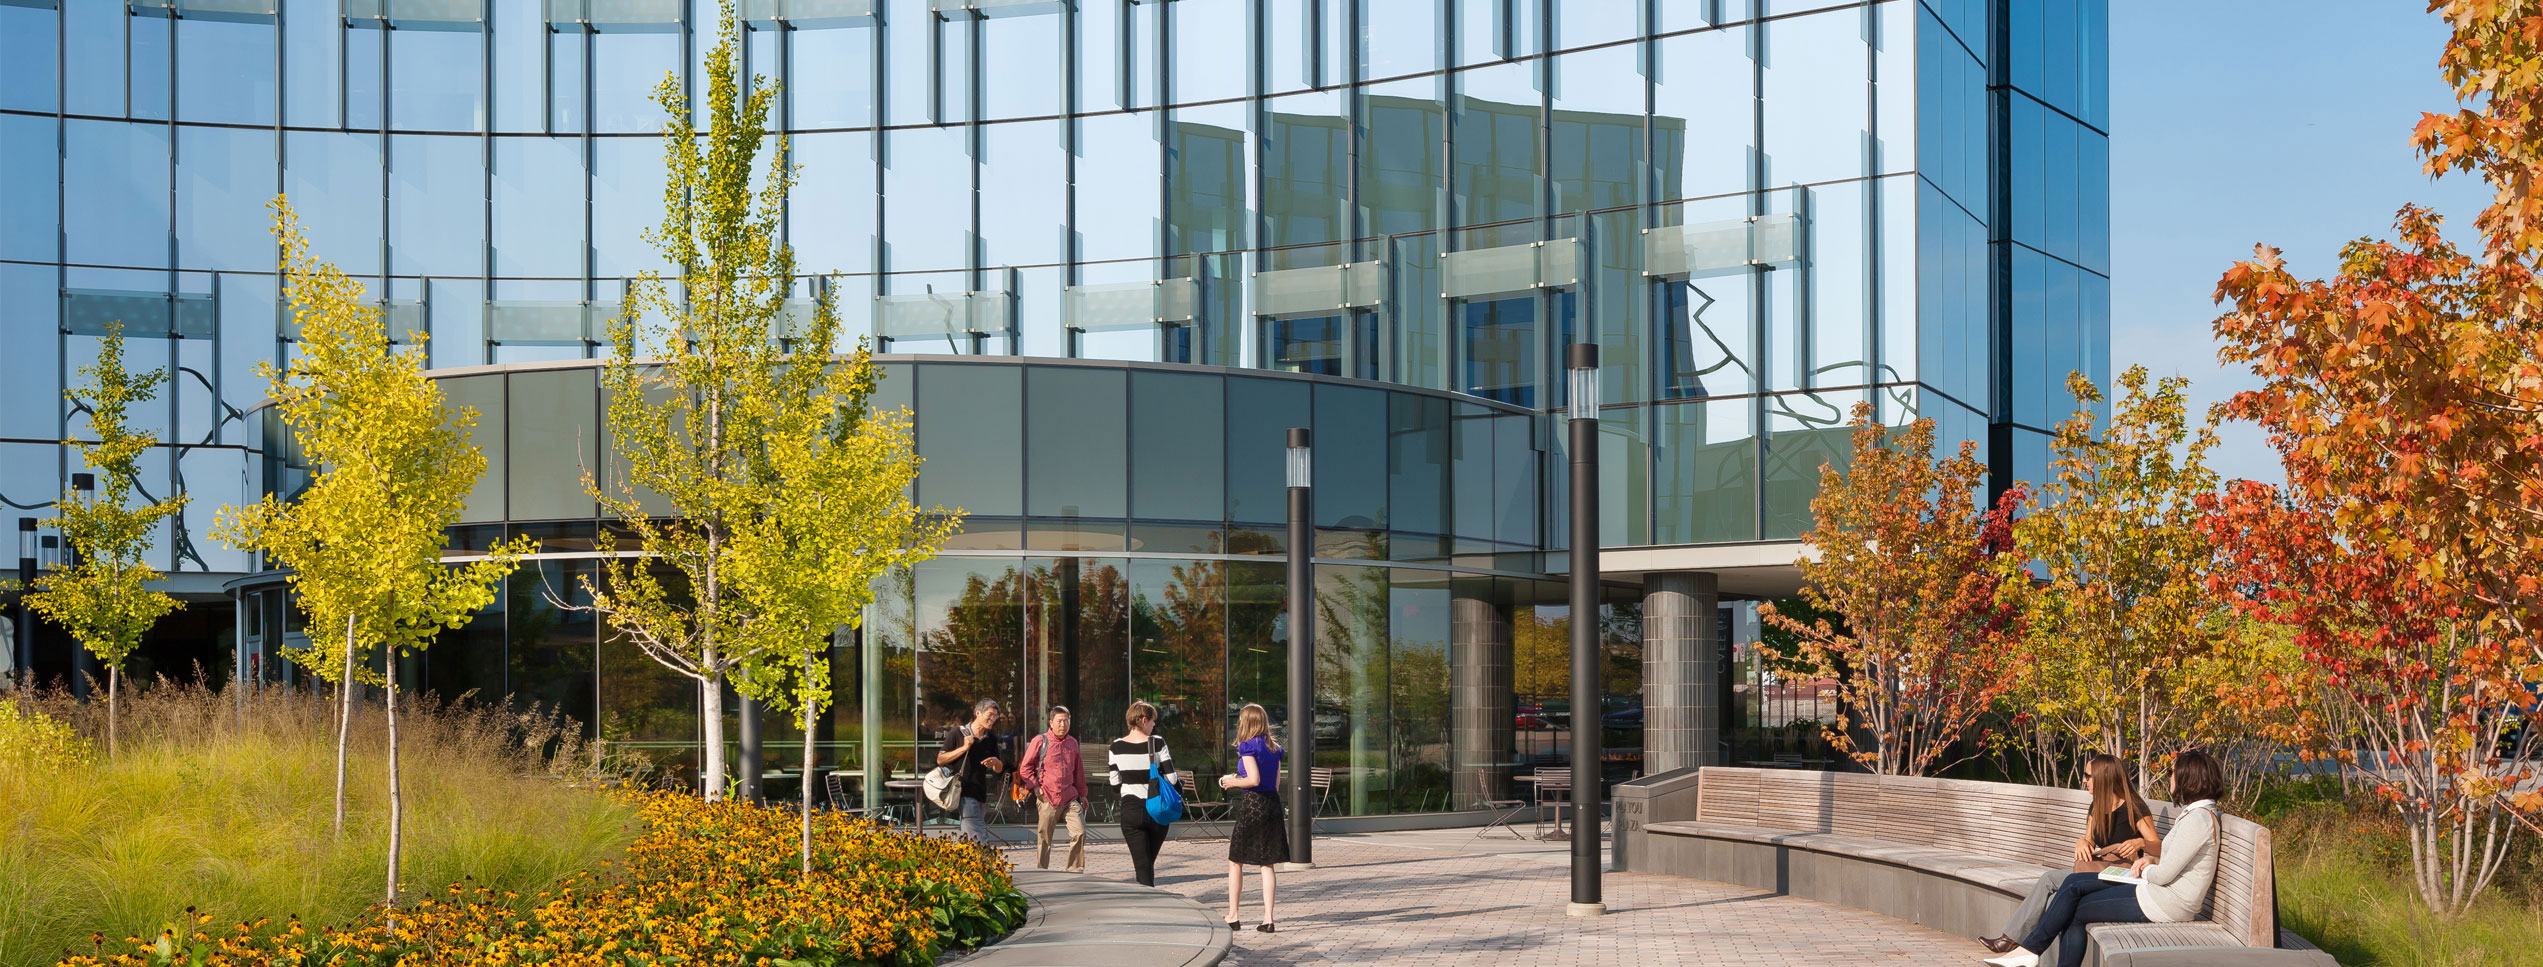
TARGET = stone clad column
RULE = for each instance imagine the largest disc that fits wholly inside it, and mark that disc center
(1482, 737)
(1681, 704)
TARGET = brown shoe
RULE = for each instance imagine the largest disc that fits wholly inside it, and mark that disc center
(1998, 945)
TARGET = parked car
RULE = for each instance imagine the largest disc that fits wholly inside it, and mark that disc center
(1531, 717)
(1333, 723)
(1630, 718)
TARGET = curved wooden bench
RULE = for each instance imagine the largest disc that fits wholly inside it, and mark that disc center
(1951, 854)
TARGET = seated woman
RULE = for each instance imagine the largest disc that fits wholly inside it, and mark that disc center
(2118, 829)
(2171, 890)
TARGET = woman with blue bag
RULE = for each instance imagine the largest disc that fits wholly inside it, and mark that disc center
(1143, 769)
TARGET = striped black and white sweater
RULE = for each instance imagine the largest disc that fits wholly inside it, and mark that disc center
(1130, 766)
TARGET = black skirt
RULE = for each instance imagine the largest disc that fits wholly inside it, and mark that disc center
(1261, 838)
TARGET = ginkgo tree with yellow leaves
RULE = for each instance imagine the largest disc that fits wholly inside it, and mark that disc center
(363, 543)
(839, 518)
(104, 599)
(754, 472)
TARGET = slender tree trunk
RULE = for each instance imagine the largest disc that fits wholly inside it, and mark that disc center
(344, 722)
(711, 703)
(114, 683)
(397, 802)
(808, 704)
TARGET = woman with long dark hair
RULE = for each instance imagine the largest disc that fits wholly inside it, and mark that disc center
(2118, 828)
(1261, 839)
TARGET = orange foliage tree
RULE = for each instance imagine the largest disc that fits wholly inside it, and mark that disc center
(2400, 654)
(1904, 548)
(2405, 395)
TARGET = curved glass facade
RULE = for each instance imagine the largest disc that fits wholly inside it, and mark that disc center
(1128, 544)
(1762, 211)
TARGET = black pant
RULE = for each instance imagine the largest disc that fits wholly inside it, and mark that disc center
(1144, 836)
(2084, 899)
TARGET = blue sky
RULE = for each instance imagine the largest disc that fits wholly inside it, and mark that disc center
(2279, 121)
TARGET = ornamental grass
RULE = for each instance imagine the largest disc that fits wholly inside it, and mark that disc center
(225, 806)
(703, 884)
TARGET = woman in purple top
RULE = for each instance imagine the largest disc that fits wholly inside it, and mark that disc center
(1261, 838)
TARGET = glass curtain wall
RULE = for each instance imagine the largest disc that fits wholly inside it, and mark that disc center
(1734, 200)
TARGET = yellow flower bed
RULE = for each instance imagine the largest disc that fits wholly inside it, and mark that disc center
(704, 884)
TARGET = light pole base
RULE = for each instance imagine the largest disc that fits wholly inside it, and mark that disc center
(1584, 909)
(1292, 867)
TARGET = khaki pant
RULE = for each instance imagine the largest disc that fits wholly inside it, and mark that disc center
(1075, 813)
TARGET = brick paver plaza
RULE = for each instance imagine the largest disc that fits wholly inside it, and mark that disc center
(1442, 897)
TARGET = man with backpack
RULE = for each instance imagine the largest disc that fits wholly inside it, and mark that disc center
(1054, 771)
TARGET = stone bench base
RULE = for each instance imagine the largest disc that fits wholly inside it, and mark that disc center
(1962, 894)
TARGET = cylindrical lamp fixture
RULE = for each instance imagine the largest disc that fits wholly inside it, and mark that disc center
(1587, 756)
(1296, 787)
(26, 548)
(1582, 374)
(85, 483)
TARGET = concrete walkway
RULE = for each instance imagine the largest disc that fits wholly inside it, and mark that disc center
(1084, 920)
(1441, 897)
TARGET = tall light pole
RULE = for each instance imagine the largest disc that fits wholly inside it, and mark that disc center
(1302, 648)
(25, 645)
(1582, 367)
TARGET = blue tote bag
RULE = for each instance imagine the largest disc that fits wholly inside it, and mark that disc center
(1166, 807)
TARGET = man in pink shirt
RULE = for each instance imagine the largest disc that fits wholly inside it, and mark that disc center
(1057, 776)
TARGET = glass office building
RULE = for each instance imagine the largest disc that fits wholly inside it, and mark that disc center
(1112, 248)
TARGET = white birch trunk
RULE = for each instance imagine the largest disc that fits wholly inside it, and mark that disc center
(397, 802)
(807, 701)
(344, 722)
(711, 703)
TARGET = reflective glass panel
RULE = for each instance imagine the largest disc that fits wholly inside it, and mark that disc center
(225, 177)
(1419, 440)
(1177, 464)
(1350, 485)
(538, 207)
(1075, 451)
(1814, 88)
(1259, 415)
(1178, 659)
(225, 72)
(1703, 120)
(971, 436)
(437, 205)
(1804, 431)
(1417, 690)
(115, 194)
(1499, 349)
(1352, 685)
(434, 80)
(1705, 472)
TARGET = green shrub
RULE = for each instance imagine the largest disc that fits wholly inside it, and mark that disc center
(31, 741)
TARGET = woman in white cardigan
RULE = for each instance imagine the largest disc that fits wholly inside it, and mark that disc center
(2174, 888)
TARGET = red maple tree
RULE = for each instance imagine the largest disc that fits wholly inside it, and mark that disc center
(2405, 395)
